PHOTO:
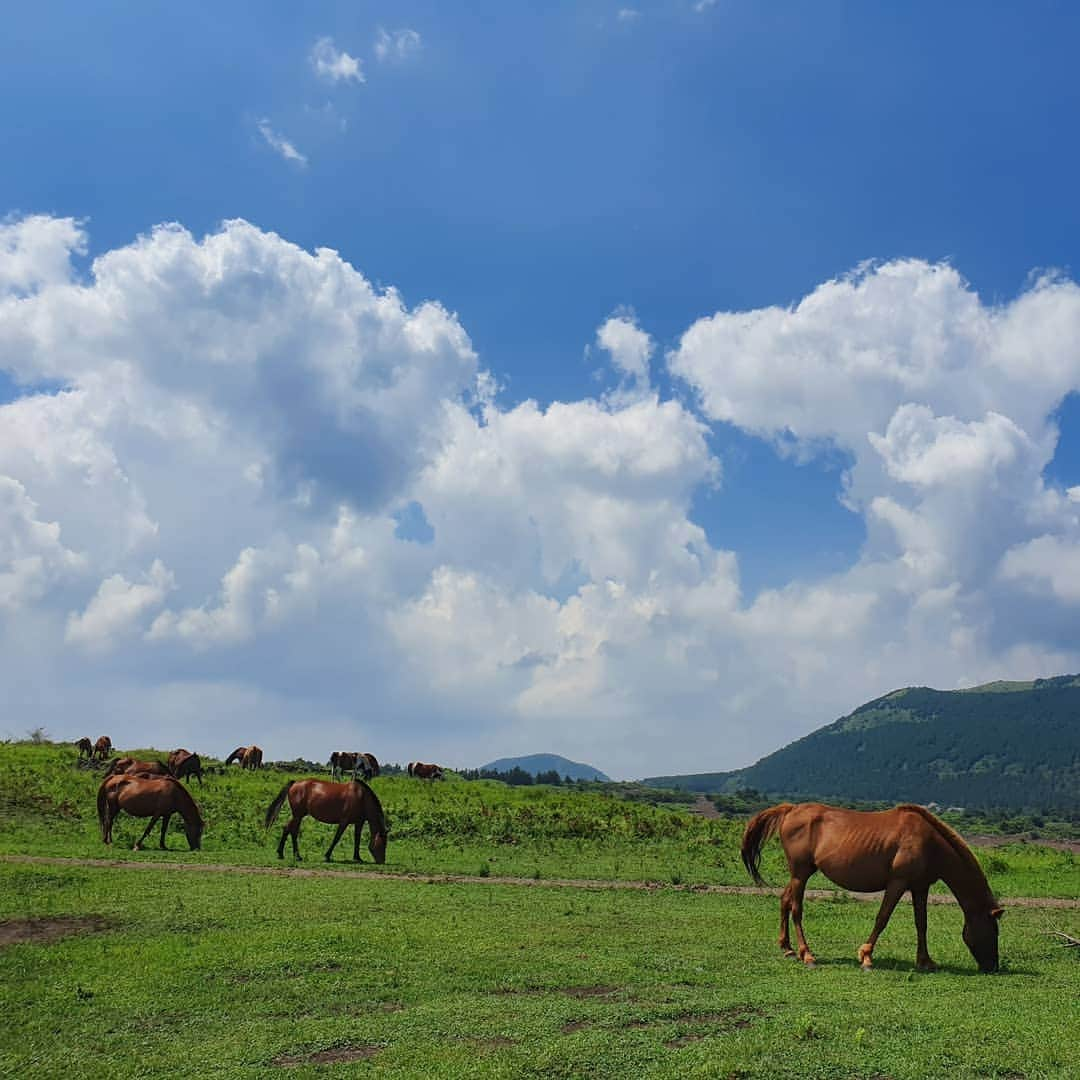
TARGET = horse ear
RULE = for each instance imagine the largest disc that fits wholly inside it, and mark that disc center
(997, 912)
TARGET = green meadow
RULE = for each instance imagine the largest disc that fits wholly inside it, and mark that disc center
(109, 971)
(47, 807)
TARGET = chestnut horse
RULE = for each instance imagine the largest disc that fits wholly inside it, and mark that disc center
(905, 849)
(86, 748)
(184, 763)
(250, 757)
(102, 748)
(351, 803)
(129, 766)
(152, 797)
(425, 772)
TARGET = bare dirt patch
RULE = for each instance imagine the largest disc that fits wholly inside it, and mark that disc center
(336, 1055)
(1020, 838)
(45, 930)
(706, 808)
(590, 991)
(575, 1025)
(467, 879)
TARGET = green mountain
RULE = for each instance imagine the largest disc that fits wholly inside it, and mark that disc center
(1012, 745)
(541, 763)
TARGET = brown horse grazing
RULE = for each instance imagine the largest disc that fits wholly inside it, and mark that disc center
(250, 757)
(102, 748)
(360, 765)
(86, 748)
(905, 849)
(425, 772)
(351, 803)
(342, 761)
(129, 766)
(184, 763)
(152, 797)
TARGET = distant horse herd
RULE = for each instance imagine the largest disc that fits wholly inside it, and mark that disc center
(903, 850)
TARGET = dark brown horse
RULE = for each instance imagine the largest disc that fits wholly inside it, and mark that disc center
(102, 748)
(359, 764)
(425, 772)
(905, 849)
(152, 797)
(351, 803)
(86, 748)
(128, 765)
(184, 763)
(250, 757)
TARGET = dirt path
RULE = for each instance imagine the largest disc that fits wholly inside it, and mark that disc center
(706, 808)
(470, 879)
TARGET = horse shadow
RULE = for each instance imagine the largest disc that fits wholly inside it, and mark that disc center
(905, 967)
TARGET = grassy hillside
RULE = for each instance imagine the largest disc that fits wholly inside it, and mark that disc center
(47, 807)
(1002, 745)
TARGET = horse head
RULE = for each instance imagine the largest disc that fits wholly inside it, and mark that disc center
(377, 846)
(194, 830)
(981, 937)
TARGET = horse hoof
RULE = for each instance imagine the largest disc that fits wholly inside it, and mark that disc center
(866, 967)
(791, 954)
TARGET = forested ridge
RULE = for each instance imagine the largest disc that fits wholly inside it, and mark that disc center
(1002, 745)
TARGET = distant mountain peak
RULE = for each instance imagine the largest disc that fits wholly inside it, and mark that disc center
(541, 763)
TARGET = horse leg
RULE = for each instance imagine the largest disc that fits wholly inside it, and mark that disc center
(922, 956)
(785, 910)
(893, 891)
(356, 842)
(798, 887)
(164, 830)
(146, 833)
(337, 836)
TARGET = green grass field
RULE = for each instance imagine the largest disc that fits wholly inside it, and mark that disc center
(196, 974)
(117, 972)
(47, 807)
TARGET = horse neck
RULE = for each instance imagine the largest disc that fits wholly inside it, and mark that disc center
(965, 879)
(186, 807)
(373, 811)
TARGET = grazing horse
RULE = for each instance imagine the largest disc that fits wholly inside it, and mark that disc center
(184, 763)
(152, 797)
(351, 803)
(86, 748)
(250, 757)
(359, 764)
(425, 772)
(102, 748)
(129, 766)
(342, 761)
(905, 849)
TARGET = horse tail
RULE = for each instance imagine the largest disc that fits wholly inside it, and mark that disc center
(274, 808)
(102, 807)
(758, 829)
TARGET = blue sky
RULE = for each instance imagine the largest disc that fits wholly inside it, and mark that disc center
(537, 169)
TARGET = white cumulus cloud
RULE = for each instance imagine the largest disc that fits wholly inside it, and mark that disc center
(242, 426)
(397, 45)
(333, 64)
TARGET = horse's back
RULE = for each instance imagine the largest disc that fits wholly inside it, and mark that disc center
(858, 849)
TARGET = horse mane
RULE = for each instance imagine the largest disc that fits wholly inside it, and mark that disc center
(378, 805)
(955, 841)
